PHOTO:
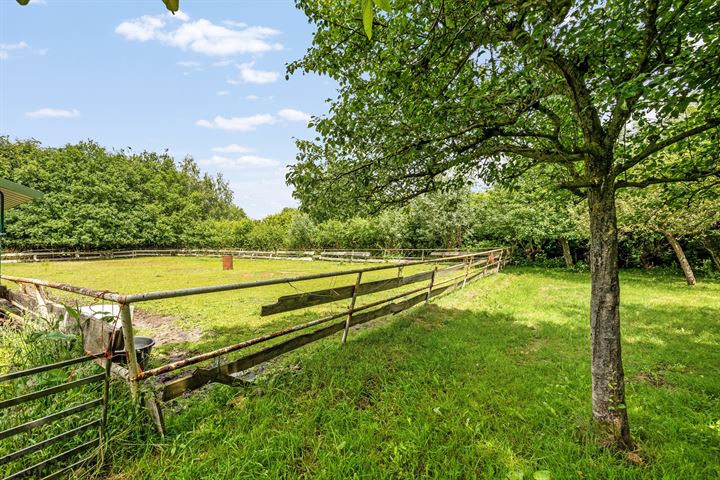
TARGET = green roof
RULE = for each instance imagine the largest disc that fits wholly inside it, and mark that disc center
(15, 194)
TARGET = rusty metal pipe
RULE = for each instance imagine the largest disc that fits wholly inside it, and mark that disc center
(88, 292)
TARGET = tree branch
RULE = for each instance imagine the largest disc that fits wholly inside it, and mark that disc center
(655, 147)
(624, 105)
(658, 180)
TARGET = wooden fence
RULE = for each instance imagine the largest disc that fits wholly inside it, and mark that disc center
(444, 274)
(365, 255)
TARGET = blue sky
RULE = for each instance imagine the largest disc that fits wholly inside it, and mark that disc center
(208, 82)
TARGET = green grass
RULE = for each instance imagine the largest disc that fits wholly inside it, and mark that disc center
(220, 318)
(489, 382)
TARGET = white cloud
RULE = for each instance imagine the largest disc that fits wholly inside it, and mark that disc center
(222, 63)
(252, 97)
(232, 148)
(142, 29)
(180, 15)
(222, 93)
(294, 115)
(240, 124)
(244, 161)
(188, 63)
(6, 48)
(201, 36)
(53, 113)
(249, 74)
(233, 23)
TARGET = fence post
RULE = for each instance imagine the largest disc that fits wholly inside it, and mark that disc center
(352, 306)
(129, 338)
(432, 282)
(469, 261)
(41, 299)
(400, 271)
(500, 256)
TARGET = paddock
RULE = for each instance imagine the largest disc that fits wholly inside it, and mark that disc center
(215, 325)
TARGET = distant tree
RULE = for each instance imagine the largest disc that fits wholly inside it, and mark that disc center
(302, 232)
(674, 211)
(530, 214)
(450, 89)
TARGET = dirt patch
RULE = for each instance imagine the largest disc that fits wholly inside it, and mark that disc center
(656, 379)
(164, 328)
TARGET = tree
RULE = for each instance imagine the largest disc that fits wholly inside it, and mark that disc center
(448, 90)
(674, 211)
(530, 215)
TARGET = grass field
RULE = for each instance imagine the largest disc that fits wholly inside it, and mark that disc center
(202, 322)
(488, 382)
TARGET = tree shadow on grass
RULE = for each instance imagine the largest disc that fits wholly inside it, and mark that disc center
(480, 392)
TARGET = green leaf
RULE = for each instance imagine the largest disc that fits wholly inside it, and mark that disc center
(74, 313)
(23, 2)
(172, 5)
(368, 17)
(383, 4)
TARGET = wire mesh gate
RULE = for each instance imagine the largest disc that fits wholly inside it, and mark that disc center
(65, 427)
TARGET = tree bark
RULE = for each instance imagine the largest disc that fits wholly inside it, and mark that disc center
(567, 255)
(682, 259)
(608, 379)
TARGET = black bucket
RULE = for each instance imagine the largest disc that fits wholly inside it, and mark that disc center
(143, 347)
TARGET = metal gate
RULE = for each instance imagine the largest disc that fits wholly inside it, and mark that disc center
(87, 414)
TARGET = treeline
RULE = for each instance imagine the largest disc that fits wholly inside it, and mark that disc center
(544, 228)
(97, 199)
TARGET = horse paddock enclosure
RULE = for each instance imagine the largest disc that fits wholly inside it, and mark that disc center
(214, 325)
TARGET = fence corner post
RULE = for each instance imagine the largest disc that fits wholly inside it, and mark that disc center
(129, 340)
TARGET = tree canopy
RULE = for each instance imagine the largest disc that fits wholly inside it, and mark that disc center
(95, 198)
(505, 88)
(588, 95)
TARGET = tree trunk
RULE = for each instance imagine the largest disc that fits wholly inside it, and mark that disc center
(684, 264)
(608, 379)
(567, 255)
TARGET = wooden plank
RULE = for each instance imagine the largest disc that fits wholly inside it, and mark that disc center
(345, 254)
(154, 409)
(444, 272)
(319, 297)
(177, 387)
